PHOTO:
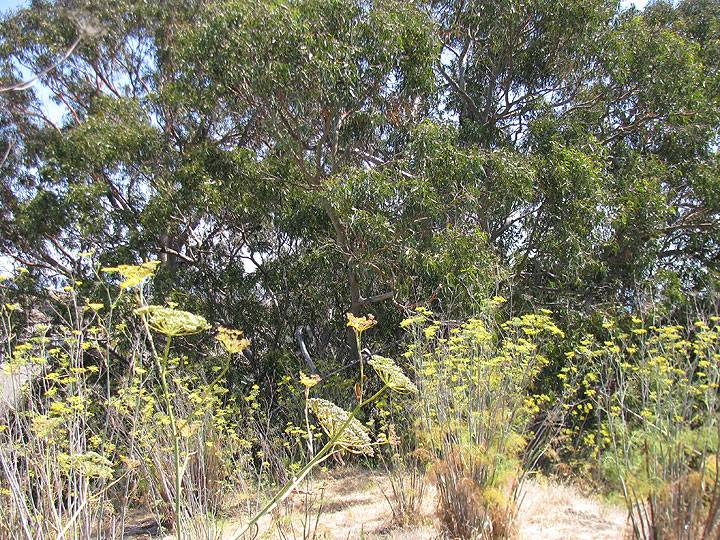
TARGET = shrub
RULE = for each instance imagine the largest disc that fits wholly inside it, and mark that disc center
(657, 388)
(478, 413)
(104, 417)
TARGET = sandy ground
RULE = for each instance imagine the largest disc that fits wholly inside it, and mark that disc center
(354, 507)
(554, 511)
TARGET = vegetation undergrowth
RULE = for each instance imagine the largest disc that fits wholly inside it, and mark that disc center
(173, 172)
(121, 403)
(105, 418)
(656, 387)
(478, 416)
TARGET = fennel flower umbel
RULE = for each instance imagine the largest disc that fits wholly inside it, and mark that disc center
(172, 322)
(354, 438)
(133, 275)
(232, 340)
(392, 375)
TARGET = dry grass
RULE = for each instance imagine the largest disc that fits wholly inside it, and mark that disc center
(553, 511)
(355, 508)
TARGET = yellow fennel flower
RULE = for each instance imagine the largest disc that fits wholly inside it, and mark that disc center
(360, 324)
(232, 340)
(90, 464)
(309, 382)
(392, 375)
(172, 322)
(354, 438)
(133, 275)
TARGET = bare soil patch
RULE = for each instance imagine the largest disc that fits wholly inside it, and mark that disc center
(354, 507)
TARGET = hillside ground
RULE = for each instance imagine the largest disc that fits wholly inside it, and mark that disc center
(354, 506)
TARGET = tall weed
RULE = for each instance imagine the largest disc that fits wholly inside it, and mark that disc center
(478, 413)
(657, 388)
(112, 413)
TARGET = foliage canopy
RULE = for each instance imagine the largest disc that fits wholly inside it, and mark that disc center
(290, 160)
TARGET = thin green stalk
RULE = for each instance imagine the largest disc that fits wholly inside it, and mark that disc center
(162, 368)
(324, 453)
(311, 446)
(362, 367)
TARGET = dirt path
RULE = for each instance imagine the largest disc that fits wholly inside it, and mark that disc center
(552, 511)
(354, 507)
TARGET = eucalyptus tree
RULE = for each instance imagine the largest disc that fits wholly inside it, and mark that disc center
(617, 111)
(147, 160)
(331, 85)
(104, 156)
(503, 63)
(290, 160)
(660, 124)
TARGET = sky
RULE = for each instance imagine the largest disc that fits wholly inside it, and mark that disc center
(5, 5)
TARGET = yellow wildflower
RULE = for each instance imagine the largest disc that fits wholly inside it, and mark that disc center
(354, 438)
(392, 375)
(90, 464)
(410, 321)
(172, 322)
(232, 340)
(360, 324)
(309, 382)
(133, 275)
